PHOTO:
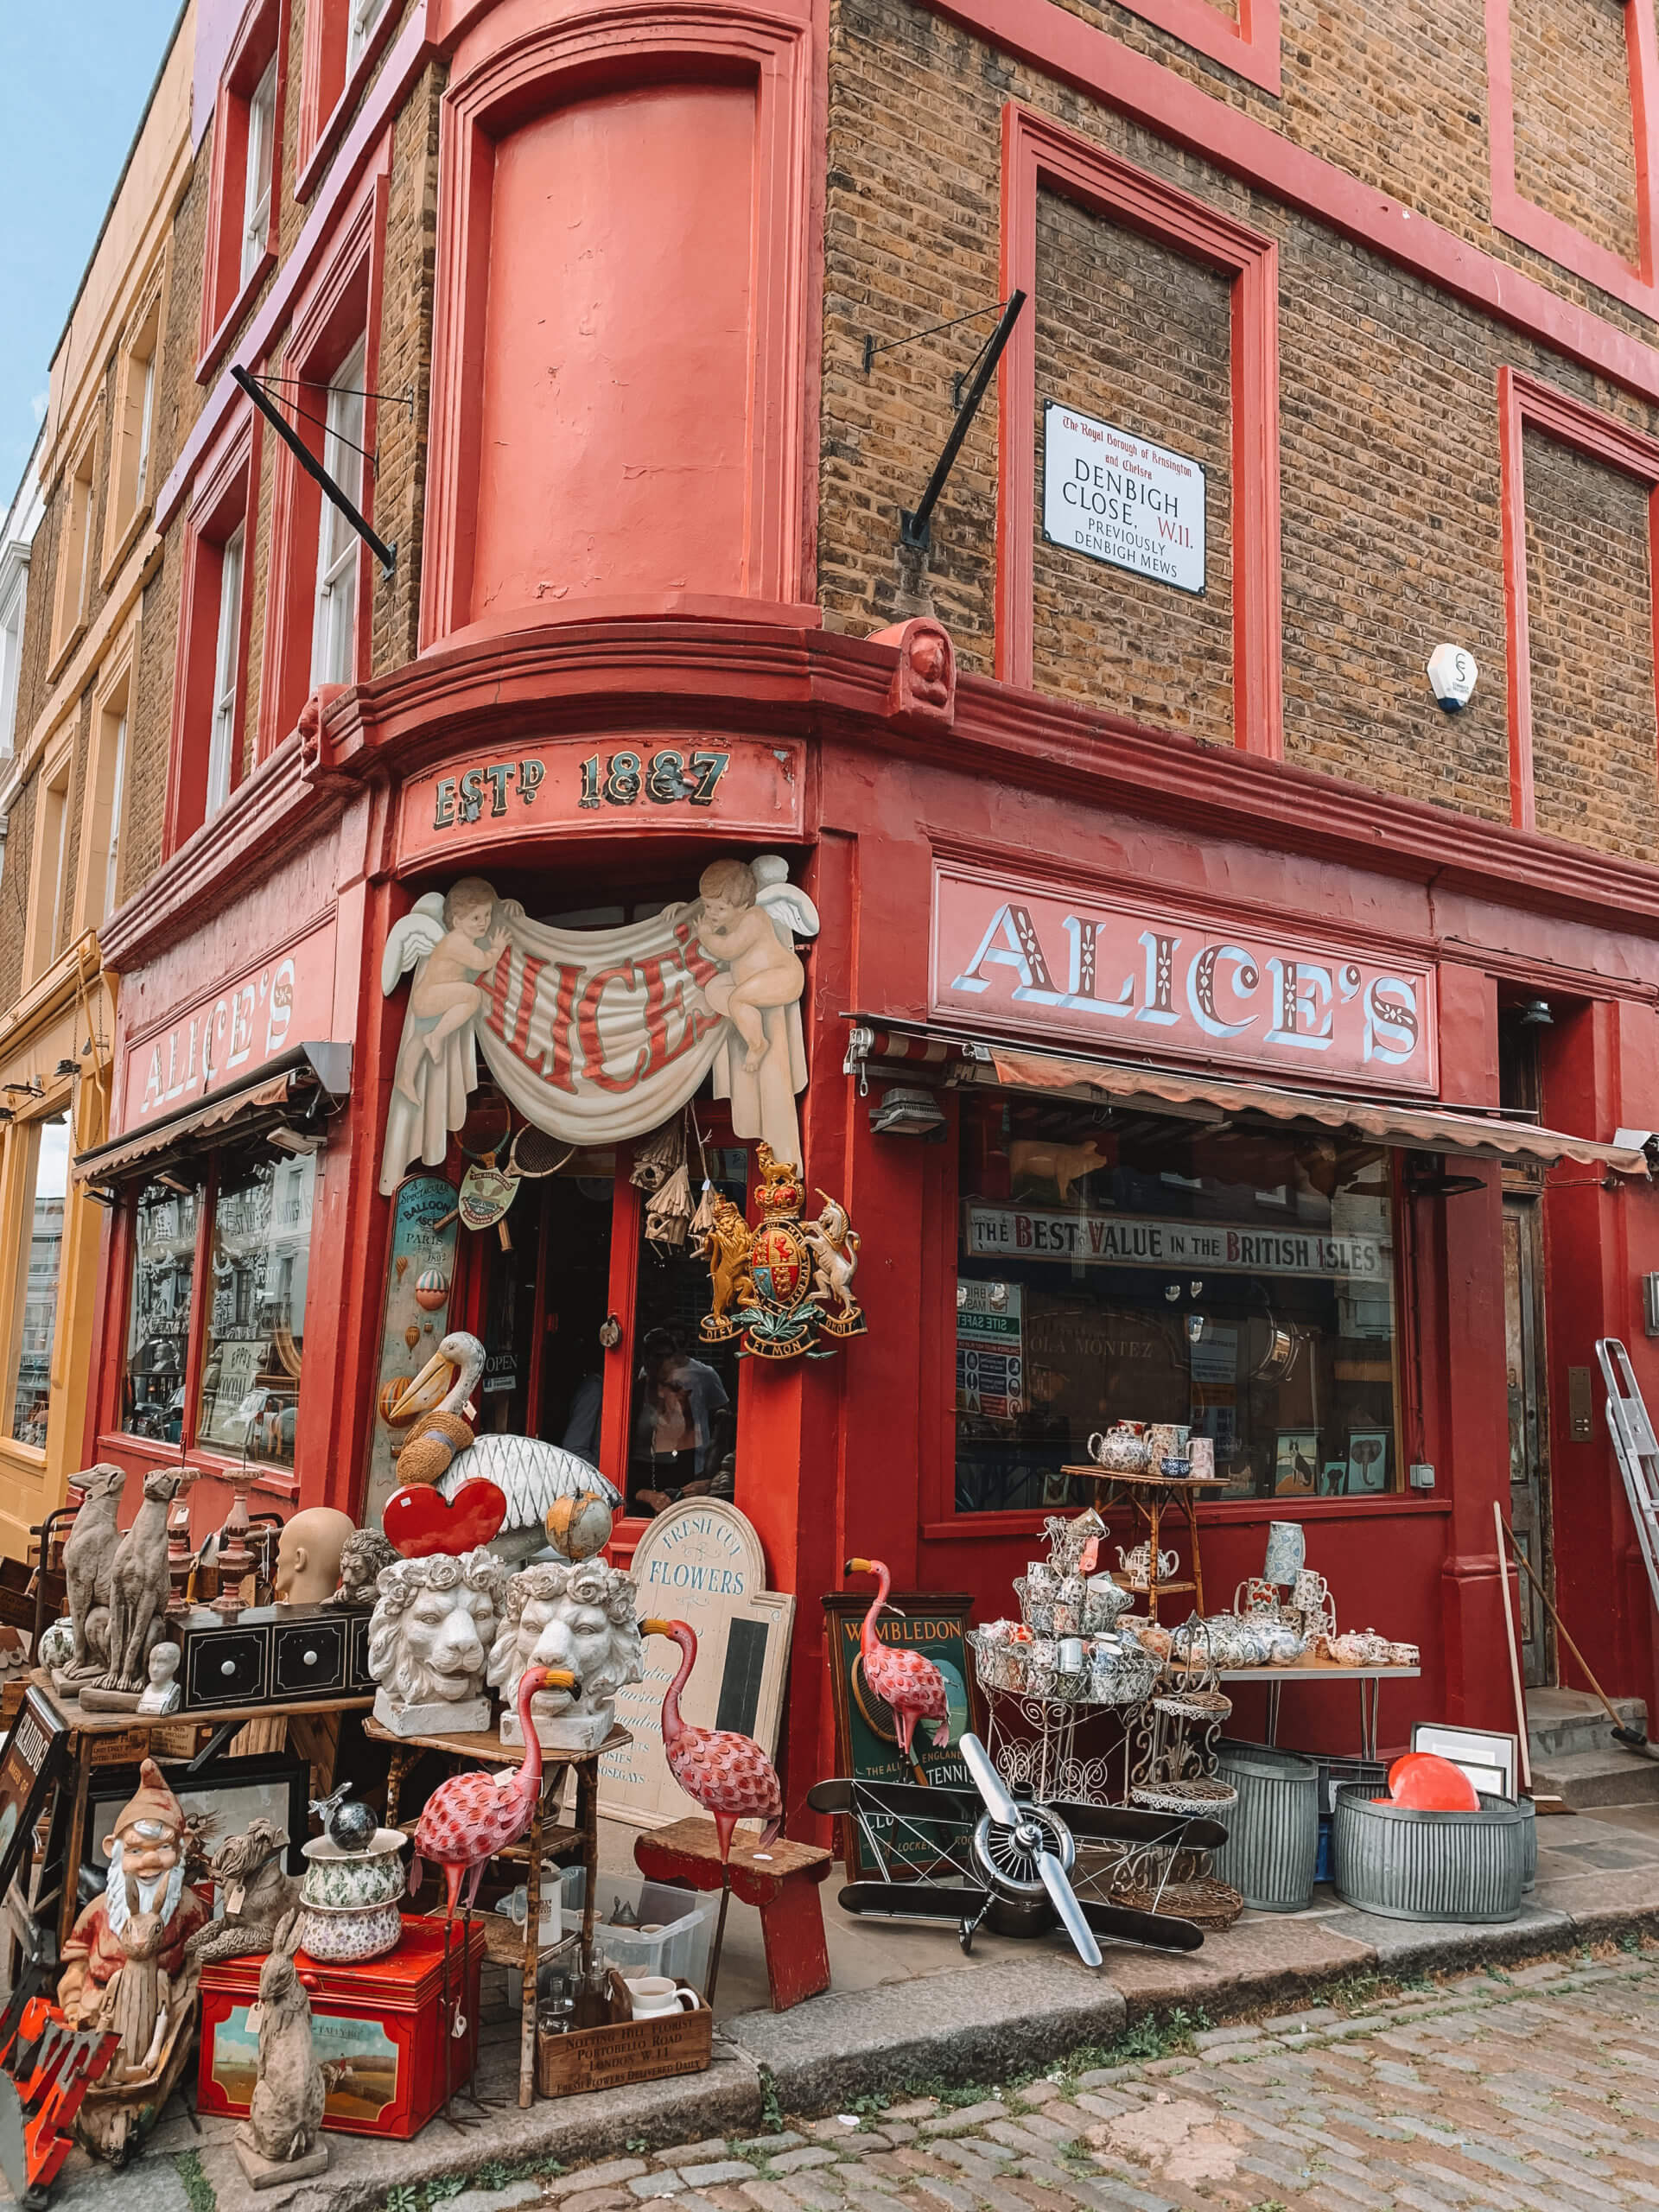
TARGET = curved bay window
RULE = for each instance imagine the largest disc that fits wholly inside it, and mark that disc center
(220, 1264)
(1116, 1265)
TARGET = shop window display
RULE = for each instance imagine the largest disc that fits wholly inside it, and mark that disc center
(165, 1219)
(255, 1334)
(43, 1266)
(1116, 1265)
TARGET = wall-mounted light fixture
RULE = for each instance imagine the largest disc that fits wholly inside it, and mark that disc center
(1535, 1015)
(905, 1112)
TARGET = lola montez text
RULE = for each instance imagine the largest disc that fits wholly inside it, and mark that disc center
(1170, 979)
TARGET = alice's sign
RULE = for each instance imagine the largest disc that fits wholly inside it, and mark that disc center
(1122, 499)
(228, 1035)
(599, 1035)
(1113, 1240)
(1125, 974)
(571, 786)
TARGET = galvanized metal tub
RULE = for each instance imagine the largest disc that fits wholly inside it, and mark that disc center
(1407, 1864)
(1273, 1833)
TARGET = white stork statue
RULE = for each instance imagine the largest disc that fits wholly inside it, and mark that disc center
(529, 1473)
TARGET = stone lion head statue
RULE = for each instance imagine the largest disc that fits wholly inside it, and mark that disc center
(581, 1617)
(433, 1623)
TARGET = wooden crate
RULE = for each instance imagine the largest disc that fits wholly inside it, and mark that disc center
(629, 2050)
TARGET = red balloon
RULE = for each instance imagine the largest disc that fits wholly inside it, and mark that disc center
(419, 1522)
(1428, 1784)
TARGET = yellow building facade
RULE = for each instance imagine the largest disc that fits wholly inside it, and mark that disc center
(87, 726)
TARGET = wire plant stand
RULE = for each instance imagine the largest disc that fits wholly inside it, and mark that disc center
(1034, 1744)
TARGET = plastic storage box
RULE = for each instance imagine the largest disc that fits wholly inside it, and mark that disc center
(666, 1930)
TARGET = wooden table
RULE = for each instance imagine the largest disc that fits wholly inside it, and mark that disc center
(488, 1750)
(1152, 1496)
(1369, 1679)
(103, 1739)
(784, 1883)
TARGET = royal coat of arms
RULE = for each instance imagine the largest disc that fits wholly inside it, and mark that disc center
(781, 1286)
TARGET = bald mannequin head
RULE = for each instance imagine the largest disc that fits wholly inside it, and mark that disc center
(308, 1557)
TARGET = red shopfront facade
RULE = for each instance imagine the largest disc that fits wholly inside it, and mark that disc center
(1033, 883)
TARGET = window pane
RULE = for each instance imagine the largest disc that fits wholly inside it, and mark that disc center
(117, 799)
(1117, 1266)
(158, 1310)
(255, 201)
(222, 740)
(32, 1396)
(336, 632)
(255, 1331)
(683, 1424)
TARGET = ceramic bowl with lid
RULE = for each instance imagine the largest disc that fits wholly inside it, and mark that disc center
(334, 1877)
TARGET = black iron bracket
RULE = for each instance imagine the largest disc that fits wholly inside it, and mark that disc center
(915, 528)
(386, 555)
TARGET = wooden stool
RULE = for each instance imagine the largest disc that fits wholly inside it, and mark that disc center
(784, 1886)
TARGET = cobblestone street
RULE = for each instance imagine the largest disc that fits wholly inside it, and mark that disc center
(1533, 2088)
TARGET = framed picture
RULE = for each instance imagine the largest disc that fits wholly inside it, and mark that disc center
(1333, 1478)
(221, 1801)
(1485, 1755)
(35, 1748)
(1368, 1461)
(934, 1623)
(1295, 1463)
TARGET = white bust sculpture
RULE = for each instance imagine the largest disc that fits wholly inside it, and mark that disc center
(429, 1641)
(581, 1617)
(163, 1693)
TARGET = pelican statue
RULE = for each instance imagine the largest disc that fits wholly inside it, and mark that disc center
(442, 1449)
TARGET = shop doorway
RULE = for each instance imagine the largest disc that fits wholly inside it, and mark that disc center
(548, 1295)
(1524, 1340)
(1523, 1360)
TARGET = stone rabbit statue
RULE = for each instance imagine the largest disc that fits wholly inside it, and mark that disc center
(88, 1557)
(281, 2140)
(139, 1586)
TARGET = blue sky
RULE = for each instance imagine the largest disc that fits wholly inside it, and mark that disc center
(73, 81)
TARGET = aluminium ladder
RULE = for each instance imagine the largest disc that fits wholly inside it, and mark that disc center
(1637, 1448)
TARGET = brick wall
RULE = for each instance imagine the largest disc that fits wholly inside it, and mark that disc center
(405, 365)
(1574, 150)
(1388, 428)
(14, 893)
(1588, 601)
(1138, 336)
(1397, 96)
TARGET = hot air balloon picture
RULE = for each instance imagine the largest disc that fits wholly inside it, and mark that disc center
(431, 1289)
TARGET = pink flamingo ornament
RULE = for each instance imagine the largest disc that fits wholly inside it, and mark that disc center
(469, 1818)
(912, 1685)
(728, 1774)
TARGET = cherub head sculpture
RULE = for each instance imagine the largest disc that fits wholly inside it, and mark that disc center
(582, 1617)
(433, 1623)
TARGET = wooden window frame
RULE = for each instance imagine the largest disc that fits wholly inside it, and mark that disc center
(341, 309)
(226, 293)
(329, 90)
(54, 779)
(104, 800)
(1523, 400)
(1038, 156)
(1561, 241)
(133, 444)
(225, 496)
(24, 1136)
(77, 569)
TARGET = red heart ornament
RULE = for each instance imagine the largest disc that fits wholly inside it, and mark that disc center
(419, 1522)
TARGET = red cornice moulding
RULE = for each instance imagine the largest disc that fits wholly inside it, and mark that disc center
(1061, 46)
(362, 144)
(800, 682)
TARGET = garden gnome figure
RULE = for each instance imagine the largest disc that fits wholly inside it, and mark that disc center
(125, 1963)
(308, 1556)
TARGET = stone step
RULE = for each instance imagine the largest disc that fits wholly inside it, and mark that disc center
(1562, 1723)
(1585, 1779)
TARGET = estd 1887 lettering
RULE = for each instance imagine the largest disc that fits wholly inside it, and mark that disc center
(665, 778)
